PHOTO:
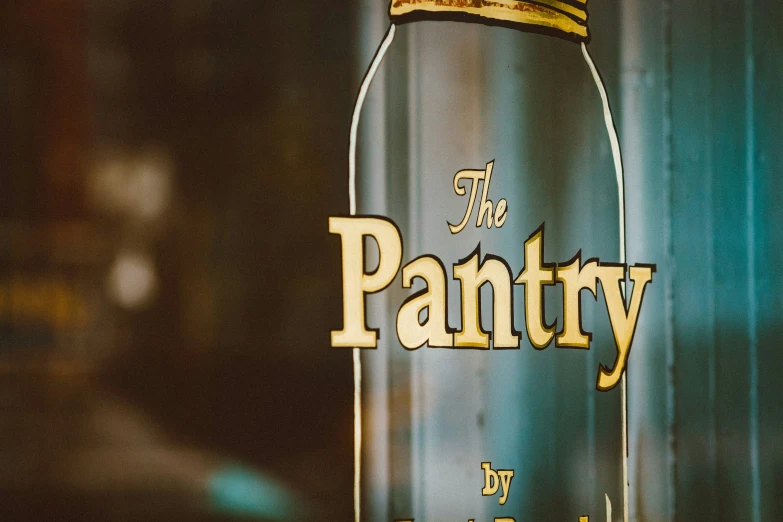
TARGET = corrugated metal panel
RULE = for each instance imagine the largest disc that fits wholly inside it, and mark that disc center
(696, 84)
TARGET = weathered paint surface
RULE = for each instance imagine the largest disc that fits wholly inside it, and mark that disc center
(696, 87)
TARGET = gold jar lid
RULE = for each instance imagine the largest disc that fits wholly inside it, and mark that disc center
(562, 18)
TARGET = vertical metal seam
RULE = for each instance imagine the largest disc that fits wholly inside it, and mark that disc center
(712, 356)
(750, 145)
(668, 192)
(414, 169)
(591, 362)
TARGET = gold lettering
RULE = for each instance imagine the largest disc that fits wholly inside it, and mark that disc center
(356, 282)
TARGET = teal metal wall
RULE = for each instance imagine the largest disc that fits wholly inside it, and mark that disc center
(701, 128)
(695, 88)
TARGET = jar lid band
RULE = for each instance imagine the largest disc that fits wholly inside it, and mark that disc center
(565, 19)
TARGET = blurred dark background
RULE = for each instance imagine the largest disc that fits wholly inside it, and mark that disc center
(166, 173)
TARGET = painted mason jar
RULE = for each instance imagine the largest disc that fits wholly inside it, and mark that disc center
(483, 137)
